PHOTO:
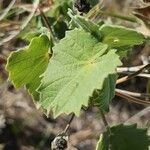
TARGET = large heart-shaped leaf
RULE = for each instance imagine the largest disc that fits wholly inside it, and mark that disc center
(78, 66)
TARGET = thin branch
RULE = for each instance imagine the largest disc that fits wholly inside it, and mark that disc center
(144, 75)
(138, 115)
(24, 24)
(133, 93)
(105, 121)
(46, 23)
(96, 10)
(130, 69)
(7, 9)
(128, 77)
(69, 123)
(132, 99)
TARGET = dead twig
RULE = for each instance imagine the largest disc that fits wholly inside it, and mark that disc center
(24, 24)
(46, 23)
(69, 123)
(132, 99)
(128, 77)
(130, 69)
(7, 9)
(138, 115)
(135, 94)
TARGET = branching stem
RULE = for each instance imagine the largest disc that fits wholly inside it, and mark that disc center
(128, 77)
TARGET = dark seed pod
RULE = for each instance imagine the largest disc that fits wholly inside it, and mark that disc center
(60, 142)
(82, 6)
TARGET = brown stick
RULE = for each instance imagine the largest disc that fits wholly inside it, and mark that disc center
(46, 23)
(128, 77)
(132, 99)
(135, 94)
(69, 123)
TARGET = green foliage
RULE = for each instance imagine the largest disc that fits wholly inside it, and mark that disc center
(93, 2)
(121, 38)
(102, 98)
(76, 65)
(118, 36)
(59, 8)
(27, 64)
(84, 23)
(103, 143)
(58, 18)
(124, 137)
(81, 71)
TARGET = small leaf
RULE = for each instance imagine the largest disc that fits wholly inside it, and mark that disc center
(77, 67)
(127, 137)
(118, 36)
(85, 24)
(27, 64)
(102, 98)
(28, 36)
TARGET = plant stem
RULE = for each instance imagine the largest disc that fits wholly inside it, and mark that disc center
(104, 119)
(129, 69)
(7, 9)
(111, 14)
(128, 77)
(132, 99)
(69, 123)
(133, 93)
(47, 25)
(96, 10)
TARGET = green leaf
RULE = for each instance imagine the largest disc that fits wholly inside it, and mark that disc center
(60, 28)
(118, 36)
(127, 137)
(93, 2)
(59, 8)
(27, 64)
(28, 36)
(85, 24)
(102, 98)
(103, 143)
(78, 66)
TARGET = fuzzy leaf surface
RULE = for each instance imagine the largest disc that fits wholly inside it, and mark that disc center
(27, 64)
(78, 66)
